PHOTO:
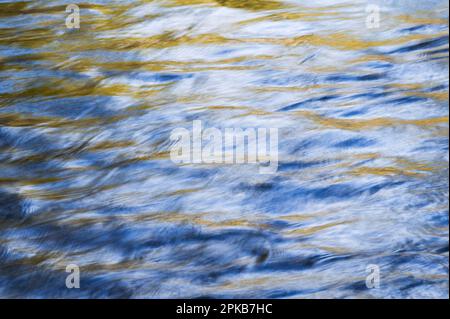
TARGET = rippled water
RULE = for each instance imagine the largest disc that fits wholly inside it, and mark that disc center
(86, 177)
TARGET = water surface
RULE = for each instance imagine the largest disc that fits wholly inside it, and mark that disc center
(86, 177)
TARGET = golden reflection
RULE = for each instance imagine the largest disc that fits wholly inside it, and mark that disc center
(310, 230)
(205, 219)
(238, 4)
(418, 20)
(364, 124)
(383, 171)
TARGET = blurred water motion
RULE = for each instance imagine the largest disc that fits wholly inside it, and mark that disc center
(86, 178)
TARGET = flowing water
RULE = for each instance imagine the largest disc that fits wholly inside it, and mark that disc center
(86, 176)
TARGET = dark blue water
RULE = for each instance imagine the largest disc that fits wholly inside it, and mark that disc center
(86, 177)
